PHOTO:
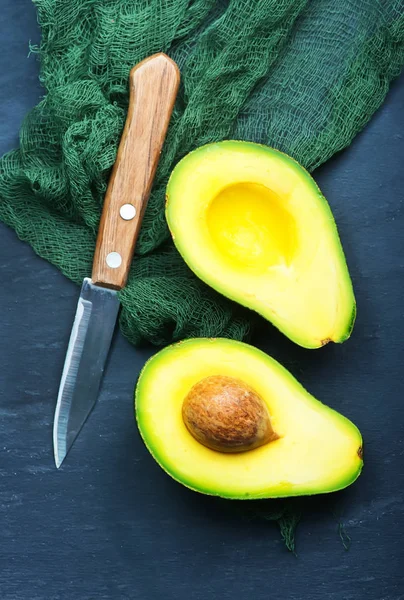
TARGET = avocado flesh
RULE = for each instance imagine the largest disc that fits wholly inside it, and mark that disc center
(318, 449)
(252, 224)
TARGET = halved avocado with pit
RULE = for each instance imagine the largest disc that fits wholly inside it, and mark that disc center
(252, 224)
(225, 419)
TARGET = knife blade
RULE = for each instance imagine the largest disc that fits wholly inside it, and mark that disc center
(153, 86)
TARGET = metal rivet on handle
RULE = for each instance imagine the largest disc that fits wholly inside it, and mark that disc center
(114, 260)
(127, 212)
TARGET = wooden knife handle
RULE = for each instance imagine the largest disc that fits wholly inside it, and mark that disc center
(153, 87)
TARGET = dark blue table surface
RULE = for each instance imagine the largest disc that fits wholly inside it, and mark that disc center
(110, 524)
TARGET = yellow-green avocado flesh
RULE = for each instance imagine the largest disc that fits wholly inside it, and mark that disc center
(252, 224)
(318, 450)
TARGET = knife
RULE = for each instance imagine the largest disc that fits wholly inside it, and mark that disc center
(153, 86)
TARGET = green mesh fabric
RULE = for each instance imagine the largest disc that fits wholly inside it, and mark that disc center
(301, 76)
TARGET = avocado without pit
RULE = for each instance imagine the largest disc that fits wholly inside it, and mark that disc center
(223, 418)
(252, 224)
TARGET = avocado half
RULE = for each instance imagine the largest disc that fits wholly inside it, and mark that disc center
(315, 450)
(252, 224)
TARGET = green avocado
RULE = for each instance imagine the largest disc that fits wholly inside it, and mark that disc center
(225, 419)
(252, 224)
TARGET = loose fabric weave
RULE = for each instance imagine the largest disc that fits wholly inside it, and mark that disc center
(302, 76)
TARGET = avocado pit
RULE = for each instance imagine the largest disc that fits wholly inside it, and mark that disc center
(225, 414)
